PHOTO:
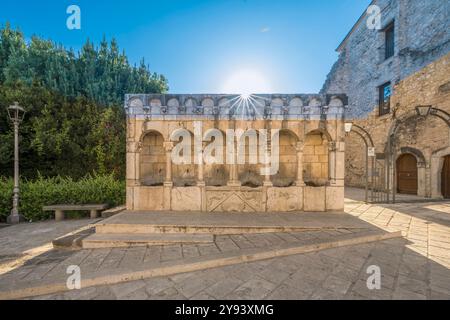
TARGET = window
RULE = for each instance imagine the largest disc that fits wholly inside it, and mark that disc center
(385, 92)
(389, 41)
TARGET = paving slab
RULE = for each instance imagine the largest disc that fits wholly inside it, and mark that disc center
(225, 223)
(136, 270)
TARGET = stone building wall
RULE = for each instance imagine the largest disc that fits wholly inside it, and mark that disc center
(422, 35)
(416, 71)
(311, 153)
(426, 137)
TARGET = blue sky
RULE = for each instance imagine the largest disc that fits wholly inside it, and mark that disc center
(282, 46)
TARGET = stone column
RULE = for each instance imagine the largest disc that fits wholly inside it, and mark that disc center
(201, 180)
(332, 162)
(338, 158)
(132, 172)
(299, 147)
(234, 179)
(168, 183)
(267, 182)
(168, 146)
(233, 170)
(201, 169)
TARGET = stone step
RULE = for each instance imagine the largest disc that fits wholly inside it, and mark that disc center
(100, 277)
(113, 211)
(225, 224)
(120, 240)
(148, 229)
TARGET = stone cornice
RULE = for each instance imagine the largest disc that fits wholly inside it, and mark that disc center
(228, 107)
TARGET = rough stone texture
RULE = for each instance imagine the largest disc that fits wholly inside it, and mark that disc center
(422, 35)
(186, 199)
(311, 145)
(286, 199)
(427, 138)
(416, 267)
(419, 75)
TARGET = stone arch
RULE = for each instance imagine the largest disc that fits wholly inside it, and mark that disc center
(436, 166)
(296, 102)
(216, 174)
(316, 158)
(335, 102)
(155, 103)
(136, 102)
(415, 152)
(249, 174)
(152, 159)
(207, 102)
(224, 103)
(277, 102)
(315, 102)
(287, 173)
(190, 102)
(173, 103)
(324, 132)
(184, 174)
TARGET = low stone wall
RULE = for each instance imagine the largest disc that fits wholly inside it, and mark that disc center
(236, 199)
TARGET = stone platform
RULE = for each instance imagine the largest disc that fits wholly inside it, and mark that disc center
(132, 228)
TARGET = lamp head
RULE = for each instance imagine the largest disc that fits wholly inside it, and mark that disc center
(348, 127)
(16, 113)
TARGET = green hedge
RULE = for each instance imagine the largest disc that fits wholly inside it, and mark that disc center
(47, 191)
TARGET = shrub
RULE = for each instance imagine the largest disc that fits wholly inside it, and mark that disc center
(58, 190)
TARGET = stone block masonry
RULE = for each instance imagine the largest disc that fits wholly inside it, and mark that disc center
(309, 175)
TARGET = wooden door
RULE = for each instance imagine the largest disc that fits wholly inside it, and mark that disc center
(445, 178)
(407, 174)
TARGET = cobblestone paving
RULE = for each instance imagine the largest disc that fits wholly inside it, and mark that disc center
(416, 267)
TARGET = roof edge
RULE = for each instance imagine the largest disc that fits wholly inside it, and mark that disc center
(339, 48)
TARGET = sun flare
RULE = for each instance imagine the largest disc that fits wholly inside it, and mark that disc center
(246, 83)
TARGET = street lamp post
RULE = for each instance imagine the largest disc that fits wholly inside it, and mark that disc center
(16, 114)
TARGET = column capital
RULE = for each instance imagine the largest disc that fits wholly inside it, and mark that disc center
(332, 146)
(168, 146)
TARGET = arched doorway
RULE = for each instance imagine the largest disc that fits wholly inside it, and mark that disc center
(445, 178)
(407, 174)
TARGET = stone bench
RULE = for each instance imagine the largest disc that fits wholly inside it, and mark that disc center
(60, 209)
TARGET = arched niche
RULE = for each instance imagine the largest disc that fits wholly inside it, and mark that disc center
(216, 173)
(208, 102)
(152, 159)
(316, 159)
(287, 173)
(184, 169)
(296, 102)
(249, 173)
(436, 168)
(174, 103)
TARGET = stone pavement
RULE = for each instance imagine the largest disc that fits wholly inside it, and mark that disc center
(416, 267)
(23, 242)
(329, 274)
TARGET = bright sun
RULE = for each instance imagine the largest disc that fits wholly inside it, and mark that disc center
(247, 82)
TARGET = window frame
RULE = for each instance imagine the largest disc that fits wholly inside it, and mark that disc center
(389, 41)
(382, 108)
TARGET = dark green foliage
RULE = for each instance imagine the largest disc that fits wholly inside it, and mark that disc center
(41, 191)
(75, 123)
